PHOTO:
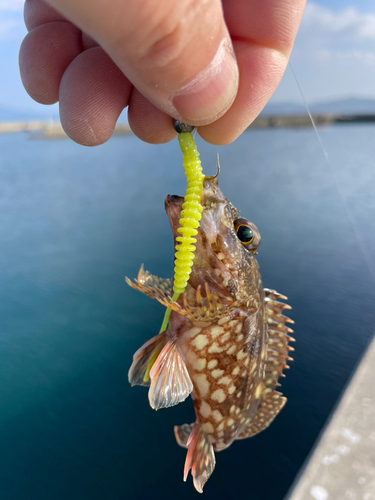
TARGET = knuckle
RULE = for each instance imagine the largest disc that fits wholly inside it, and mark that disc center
(167, 39)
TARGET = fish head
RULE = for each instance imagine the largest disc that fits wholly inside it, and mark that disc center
(225, 247)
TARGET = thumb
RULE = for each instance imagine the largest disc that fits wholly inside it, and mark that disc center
(177, 54)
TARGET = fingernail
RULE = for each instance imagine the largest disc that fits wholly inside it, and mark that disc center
(212, 92)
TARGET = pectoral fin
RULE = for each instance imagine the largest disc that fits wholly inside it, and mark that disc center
(170, 379)
(144, 358)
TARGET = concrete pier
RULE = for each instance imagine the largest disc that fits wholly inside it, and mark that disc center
(342, 466)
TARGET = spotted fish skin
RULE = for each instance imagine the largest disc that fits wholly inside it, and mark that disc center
(226, 362)
(229, 332)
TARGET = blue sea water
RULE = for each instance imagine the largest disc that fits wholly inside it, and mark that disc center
(74, 221)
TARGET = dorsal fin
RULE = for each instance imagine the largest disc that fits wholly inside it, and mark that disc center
(271, 401)
(204, 308)
(278, 338)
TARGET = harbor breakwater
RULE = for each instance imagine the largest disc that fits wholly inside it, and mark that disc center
(54, 130)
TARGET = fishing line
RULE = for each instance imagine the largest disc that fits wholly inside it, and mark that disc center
(357, 235)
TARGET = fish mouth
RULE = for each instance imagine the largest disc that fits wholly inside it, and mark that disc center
(173, 206)
(173, 199)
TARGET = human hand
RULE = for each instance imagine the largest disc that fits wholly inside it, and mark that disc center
(162, 58)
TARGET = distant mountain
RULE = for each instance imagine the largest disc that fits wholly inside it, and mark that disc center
(283, 108)
(348, 106)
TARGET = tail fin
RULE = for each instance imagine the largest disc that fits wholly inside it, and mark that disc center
(200, 457)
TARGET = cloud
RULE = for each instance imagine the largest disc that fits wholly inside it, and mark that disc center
(11, 20)
(11, 5)
(334, 54)
(351, 56)
(325, 34)
(346, 24)
(347, 57)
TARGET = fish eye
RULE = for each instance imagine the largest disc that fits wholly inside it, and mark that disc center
(247, 233)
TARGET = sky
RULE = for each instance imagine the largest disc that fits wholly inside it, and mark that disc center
(333, 56)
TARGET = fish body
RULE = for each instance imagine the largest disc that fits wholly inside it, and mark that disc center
(226, 342)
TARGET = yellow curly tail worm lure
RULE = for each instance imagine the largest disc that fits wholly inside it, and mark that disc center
(190, 215)
(191, 212)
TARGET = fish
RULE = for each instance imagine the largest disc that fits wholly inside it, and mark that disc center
(227, 342)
